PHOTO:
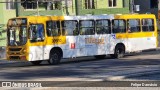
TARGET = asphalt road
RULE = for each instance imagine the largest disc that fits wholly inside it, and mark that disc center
(139, 66)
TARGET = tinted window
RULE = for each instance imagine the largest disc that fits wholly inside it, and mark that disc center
(36, 32)
(133, 25)
(118, 26)
(147, 25)
(103, 27)
(87, 27)
(53, 28)
(69, 27)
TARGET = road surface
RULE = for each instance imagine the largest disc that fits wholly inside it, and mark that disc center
(140, 66)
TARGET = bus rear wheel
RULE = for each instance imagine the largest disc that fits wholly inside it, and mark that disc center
(36, 62)
(119, 52)
(55, 57)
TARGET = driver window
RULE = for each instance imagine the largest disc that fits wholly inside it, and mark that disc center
(36, 32)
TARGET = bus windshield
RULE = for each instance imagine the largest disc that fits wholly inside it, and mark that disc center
(17, 35)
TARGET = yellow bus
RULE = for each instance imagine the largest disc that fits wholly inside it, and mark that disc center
(51, 38)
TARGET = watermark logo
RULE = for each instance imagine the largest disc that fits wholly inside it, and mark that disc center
(6, 84)
(21, 84)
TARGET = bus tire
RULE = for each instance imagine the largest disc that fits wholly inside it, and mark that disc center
(119, 52)
(100, 56)
(55, 57)
(36, 62)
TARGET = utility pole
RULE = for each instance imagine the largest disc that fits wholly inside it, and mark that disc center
(158, 4)
(76, 7)
(66, 5)
(16, 7)
(131, 6)
(38, 7)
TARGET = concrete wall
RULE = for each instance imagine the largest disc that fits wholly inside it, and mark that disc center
(103, 4)
(5, 13)
(62, 11)
(102, 7)
(4, 16)
(145, 7)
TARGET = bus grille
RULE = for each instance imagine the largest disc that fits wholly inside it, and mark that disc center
(15, 49)
(14, 57)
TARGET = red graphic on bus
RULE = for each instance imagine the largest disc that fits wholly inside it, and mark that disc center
(72, 45)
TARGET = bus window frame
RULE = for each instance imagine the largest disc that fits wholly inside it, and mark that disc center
(87, 27)
(29, 34)
(52, 34)
(64, 33)
(109, 26)
(113, 26)
(153, 25)
(129, 28)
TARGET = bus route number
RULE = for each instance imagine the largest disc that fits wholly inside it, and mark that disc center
(57, 40)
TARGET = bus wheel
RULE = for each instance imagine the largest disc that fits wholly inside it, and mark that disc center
(36, 62)
(55, 57)
(119, 52)
(100, 56)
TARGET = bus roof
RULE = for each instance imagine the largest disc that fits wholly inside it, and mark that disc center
(87, 17)
(129, 16)
(36, 19)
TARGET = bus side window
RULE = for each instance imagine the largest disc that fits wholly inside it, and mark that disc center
(53, 28)
(103, 27)
(147, 25)
(118, 26)
(70, 27)
(87, 27)
(56, 28)
(133, 25)
(40, 33)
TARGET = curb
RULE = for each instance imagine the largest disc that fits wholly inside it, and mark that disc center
(154, 49)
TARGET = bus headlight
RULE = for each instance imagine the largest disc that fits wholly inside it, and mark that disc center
(24, 50)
